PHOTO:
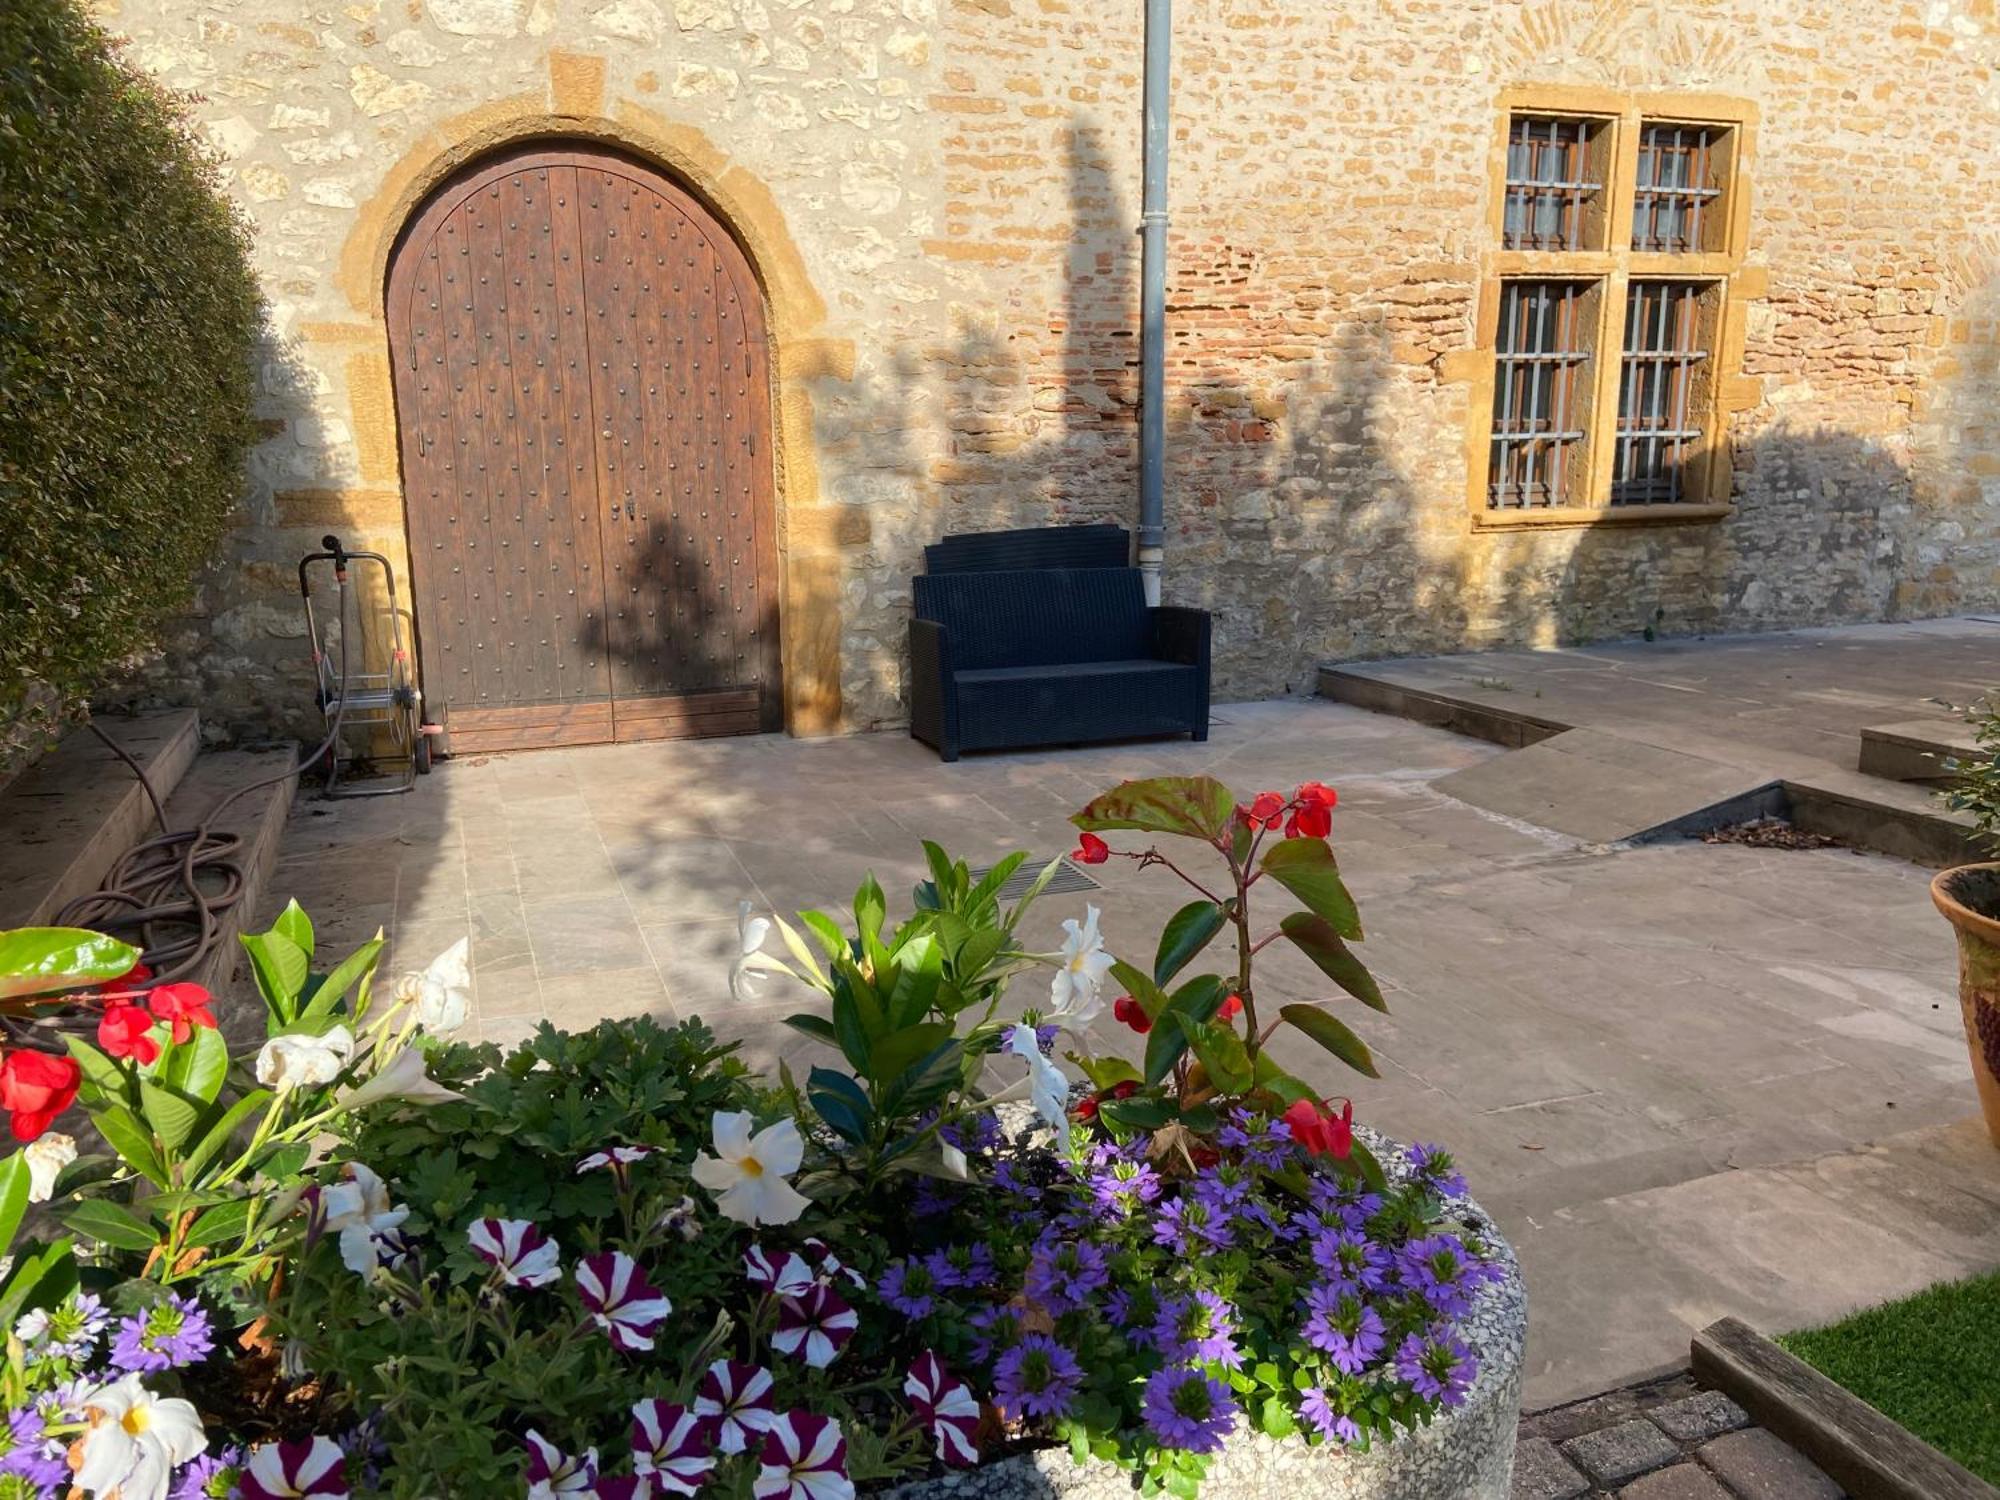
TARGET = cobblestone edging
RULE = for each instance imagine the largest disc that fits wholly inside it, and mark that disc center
(1663, 1440)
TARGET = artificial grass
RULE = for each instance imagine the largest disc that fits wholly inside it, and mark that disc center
(1931, 1362)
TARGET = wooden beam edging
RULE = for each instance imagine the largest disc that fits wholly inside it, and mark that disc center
(1869, 1456)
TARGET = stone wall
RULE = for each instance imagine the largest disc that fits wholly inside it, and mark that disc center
(942, 195)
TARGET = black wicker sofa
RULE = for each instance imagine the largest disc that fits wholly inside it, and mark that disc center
(1007, 658)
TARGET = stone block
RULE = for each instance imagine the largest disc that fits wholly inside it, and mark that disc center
(1613, 1455)
(1758, 1466)
(1697, 1418)
(1541, 1473)
(1681, 1482)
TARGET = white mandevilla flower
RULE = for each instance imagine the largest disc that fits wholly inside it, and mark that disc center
(747, 1173)
(1076, 993)
(134, 1441)
(442, 993)
(358, 1210)
(1046, 1084)
(297, 1060)
(404, 1078)
(751, 960)
(46, 1159)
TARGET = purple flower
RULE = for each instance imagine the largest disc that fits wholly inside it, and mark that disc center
(1203, 1326)
(980, 1132)
(815, 1327)
(620, 1300)
(28, 1453)
(1045, 1037)
(211, 1476)
(999, 1330)
(804, 1457)
(1319, 1411)
(671, 1445)
(1434, 1168)
(1036, 1378)
(1188, 1226)
(295, 1468)
(1437, 1365)
(931, 1198)
(171, 1333)
(554, 1472)
(786, 1271)
(736, 1400)
(1349, 1257)
(1343, 1328)
(947, 1407)
(1188, 1409)
(967, 1266)
(908, 1286)
(517, 1249)
(1439, 1268)
(67, 1331)
(1005, 1178)
(1062, 1275)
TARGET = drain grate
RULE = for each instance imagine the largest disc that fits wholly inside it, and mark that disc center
(1067, 878)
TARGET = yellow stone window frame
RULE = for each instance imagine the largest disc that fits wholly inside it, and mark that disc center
(1611, 267)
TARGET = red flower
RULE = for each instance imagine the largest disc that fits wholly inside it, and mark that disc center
(1322, 1134)
(123, 1033)
(35, 1088)
(1132, 1013)
(1091, 850)
(1318, 792)
(1124, 1090)
(1230, 1009)
(1314, 816)
(1086, 1109)
(1266, 809)
(120, 988)
(183, 1007)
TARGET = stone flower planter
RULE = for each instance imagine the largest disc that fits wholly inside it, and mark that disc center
(1969, 897)
(1467, 1454)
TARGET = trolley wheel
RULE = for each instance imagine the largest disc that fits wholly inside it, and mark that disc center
(421, 756)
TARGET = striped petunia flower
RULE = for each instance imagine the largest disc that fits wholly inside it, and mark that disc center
(830, 1265)
(804, 1457)
(614, 1157)
(672, 1446)
(552, 1472)
(737, 1400)
(814, 1327)
(623, 1303)
(312, 1466)
(785, 1272)
(946, 1405)
(522, 1254)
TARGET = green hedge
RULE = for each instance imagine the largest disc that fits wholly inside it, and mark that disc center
(128, 319)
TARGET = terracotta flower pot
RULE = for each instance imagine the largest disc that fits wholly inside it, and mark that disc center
(1969, 897)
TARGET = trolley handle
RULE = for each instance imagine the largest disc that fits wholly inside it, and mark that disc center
(336, 554)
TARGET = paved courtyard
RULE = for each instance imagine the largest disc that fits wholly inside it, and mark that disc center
(1690, 1080)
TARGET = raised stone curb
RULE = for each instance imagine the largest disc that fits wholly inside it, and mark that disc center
(1614, 1455)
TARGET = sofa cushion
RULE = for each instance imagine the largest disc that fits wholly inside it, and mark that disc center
(1037, 617)
(1071, 702)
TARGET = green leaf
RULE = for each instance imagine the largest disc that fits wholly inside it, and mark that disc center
(1275, 1418)
(1187, 932)
(848, 1030)
(281, 969)
(1140, 1112)
(1152, 999)
(1332, 1035)
(42, 960)
(870, 907)
(14, 1182)
(840, 1102)
(990, 883)
(1306, 868)
(1365, 1162)
(830, 937)
(104, 1222)
(41, 1279)
(217, 1135)
(131, 1140)
(172, 1117)
(197, 1066)
(913, 982)
(1164, 1045)
(819, 1028)
(889, 1057)
(1223, 1055)
(103, 1079)
(225, 1221)
(1105, 1072)
(1197, 807)
(1276, 1080)
(332, 990)
(297, 926)
(1315, 937)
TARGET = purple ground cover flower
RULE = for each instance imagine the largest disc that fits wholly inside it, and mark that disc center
(960, 1266)
(999, 1329)
(1121, 1185)
(1343, 1328)
(909, 1287)
(169, 1334)
(1188, 1409)
(1348, 1256)
(1036, 1378)
(1197, 1327)
(1188, 1226)
(1330, 1423)
(1437, 1365)
(212, 1476)
(1433, 1166)
(27, 1453)
(1062, 1275)
(1439, 1267)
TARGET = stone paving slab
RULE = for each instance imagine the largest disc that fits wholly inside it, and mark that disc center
(1690, 1080)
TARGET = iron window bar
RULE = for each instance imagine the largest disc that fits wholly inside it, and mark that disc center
(1658, 434)
(1539, 351)
(1676, 184)
(1547, 186)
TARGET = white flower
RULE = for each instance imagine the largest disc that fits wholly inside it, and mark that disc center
(33, 1326)
(747, 1173)
(442, 993)
(1075, 992)
(296, 1060)
(403, 1079)
(134, 1441)
(750, 958)
(46, 1159)
(1046, 1084)
(358, 1210)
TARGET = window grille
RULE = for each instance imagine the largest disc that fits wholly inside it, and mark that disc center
(1540, 350)
(1658, 426)
(1677, 186)
(1548, 183)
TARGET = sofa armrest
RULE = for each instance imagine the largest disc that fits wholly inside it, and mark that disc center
(1181, 635)
(933, 697)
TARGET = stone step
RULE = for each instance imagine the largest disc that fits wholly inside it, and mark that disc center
(259, 820)
(66, 820)
(1916, 749)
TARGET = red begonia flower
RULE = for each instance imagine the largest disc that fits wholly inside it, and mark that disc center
(1091, 850)
(183, 1007)
(123, 1033)
(1266, 809)
(35, 1088)
(1086, 1109)
(1124, 1090)
(1132, 1013)
(1230, 1009)
(1322, 1134)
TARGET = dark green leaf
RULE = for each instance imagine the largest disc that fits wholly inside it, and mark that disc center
(104, 1222)
(103, 1079)
(131, 1140)
(1192, 806)
(1187, 932)
(848, 1030)
(216, 1136)
(1315, 937)
(225, 1221)
(171, 1116)
(819, 1028)
(328, 994)
(840, 1101)
(14, 1183)
(1332, 1035)
(1140, 1112)
(281, 969)
(197, 1066)
(891, 1055)
(1105, 1072)
(42, 960)
(1275, 1080)
(1152, 999)
(1306, 868)
(1222, 1055)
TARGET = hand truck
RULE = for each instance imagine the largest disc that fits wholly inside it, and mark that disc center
(388, 698)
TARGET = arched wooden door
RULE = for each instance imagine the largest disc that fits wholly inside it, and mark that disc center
(583, 393)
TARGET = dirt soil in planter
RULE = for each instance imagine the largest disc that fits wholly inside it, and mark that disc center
(1771, 833)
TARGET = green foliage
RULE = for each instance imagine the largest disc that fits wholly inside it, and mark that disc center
(1930, 1362)
(47, 960)
(128, 318)
(1975, 786)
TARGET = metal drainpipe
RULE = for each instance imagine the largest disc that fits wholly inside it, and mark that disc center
(1153, 303)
